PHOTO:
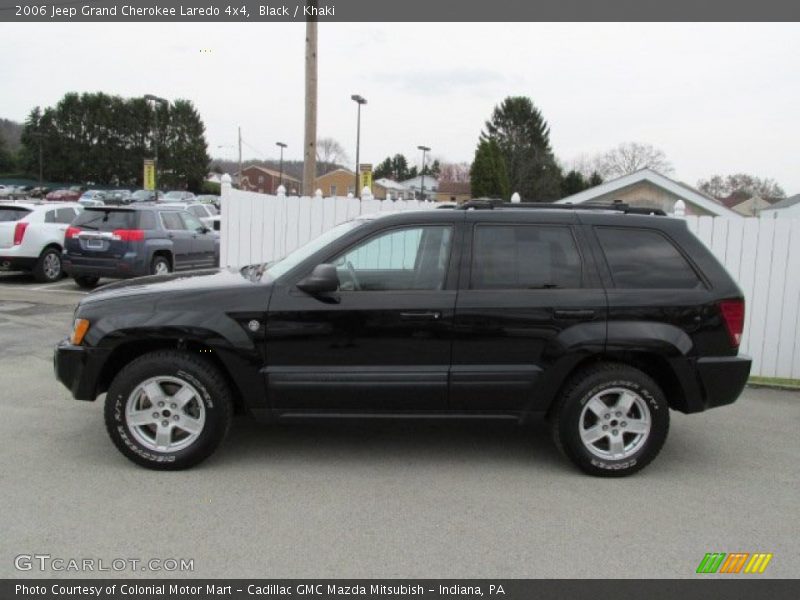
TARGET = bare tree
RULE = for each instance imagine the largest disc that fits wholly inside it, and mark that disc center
(632, 156)
(330, 152)
(741, 184)
(454, 172)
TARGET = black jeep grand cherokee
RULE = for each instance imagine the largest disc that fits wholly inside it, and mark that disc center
(599, 318)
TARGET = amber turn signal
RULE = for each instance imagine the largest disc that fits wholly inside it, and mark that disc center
(79, 331)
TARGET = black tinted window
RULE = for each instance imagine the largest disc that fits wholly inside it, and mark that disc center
(641, 258)
(172, 220)
(12, 213)
(525, 257)
(106, 220)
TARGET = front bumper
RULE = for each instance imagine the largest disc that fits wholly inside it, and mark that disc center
(723, 378)
(78, 368)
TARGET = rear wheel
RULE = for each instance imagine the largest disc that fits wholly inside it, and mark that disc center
(611, 420)
(168, 410)
(48, 267)
(86, 281)
(160, 265)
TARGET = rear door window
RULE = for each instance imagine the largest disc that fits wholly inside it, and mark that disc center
(172, 220)
(523, 257)
(645, 259)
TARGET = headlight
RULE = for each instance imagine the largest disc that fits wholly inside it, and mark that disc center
(79, 330)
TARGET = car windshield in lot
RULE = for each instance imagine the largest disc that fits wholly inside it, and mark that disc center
(12, 213)
(106, 219)
(293, 259)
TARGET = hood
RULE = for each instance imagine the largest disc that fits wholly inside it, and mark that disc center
(176, 283)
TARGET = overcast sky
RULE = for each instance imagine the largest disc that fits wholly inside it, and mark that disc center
(717, 98)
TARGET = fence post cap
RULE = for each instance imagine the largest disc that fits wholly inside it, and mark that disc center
(318, 193)
(225, 179)
(281, 190)
(515, 198)
(679, 210)
(350, 195)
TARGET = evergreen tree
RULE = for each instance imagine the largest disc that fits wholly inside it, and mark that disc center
(488, 174)
(573, 183)
(523, 137)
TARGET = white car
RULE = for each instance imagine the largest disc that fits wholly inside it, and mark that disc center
(204, 212)
(32, 236)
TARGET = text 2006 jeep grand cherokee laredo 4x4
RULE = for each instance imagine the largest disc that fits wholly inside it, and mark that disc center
(599, 318)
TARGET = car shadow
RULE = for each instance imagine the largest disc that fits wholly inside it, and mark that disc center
(374, 441)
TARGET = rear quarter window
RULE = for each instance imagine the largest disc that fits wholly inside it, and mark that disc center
(645, 259)
(12, 213)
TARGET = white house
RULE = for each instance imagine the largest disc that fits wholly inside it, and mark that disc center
(413, 186)
(788, 208)
(650, 189)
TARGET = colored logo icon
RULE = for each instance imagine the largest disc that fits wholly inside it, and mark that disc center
(734, 563)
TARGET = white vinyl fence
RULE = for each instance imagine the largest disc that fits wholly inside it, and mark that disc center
(763, 255)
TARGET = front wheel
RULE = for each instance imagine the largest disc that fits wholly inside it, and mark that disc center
(611, 420)
(168, 410)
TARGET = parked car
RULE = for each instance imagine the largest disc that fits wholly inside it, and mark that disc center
(601, 319)
(121, 242)
(204, 212)
(209, 199)
(92, 196)
(32, 237)
(146, 196)
(12, 192)
(179, 196)
(63, 195)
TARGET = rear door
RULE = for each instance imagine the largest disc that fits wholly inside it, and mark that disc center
(527, 296)
(180, 236)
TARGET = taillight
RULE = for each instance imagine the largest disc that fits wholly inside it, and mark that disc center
(72, 233)
(19, 232)
(733, 315)
(127, 235)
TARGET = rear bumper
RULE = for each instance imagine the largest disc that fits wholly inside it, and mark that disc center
(722, 379)
(17, 263)
(78, 368)
(128, 266)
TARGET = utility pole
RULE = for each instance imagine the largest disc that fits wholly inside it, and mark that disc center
(281, 145)
(239, 181)
(422, 181)
(310, 146)
(358, 100)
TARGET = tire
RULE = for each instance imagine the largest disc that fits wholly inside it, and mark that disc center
(603, 441)
(160, 265)
(136, 423)
(48, 267)
(86, 282)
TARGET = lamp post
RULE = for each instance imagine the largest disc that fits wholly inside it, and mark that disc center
(422, 181)
(156, 101)
(358, 100)
(282, 146)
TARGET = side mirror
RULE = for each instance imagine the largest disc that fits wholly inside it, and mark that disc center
(322, 279)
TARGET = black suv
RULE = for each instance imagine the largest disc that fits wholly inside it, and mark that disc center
(138, 240)
(599, 319)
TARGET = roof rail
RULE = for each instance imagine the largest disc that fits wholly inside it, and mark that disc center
(487, 204)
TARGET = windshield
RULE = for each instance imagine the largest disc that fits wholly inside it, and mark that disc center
(295, 257)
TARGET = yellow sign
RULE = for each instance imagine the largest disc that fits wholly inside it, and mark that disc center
(365, 181)
(149, 175)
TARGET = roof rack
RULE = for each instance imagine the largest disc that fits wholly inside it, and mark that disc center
(488, 204)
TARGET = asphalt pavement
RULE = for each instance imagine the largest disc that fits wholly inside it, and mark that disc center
(434, 499)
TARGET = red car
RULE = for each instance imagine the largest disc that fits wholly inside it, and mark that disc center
(63, 195)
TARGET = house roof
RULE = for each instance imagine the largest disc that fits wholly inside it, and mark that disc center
(455, 187)
(389, 184)
(785, 203)
(682, 190)
(339, 170)
(271, 172)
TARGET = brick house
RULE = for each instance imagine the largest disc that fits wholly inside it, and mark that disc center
(454, 191)
(266, 181)
(338, 182)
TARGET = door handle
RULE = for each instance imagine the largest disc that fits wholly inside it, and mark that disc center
(573, 314)
(425, 315)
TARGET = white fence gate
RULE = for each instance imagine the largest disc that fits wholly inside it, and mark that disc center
(763, 255)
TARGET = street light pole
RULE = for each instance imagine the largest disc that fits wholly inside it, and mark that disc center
(282, 146)
(358, 100)
(156, 101)
(422, 181)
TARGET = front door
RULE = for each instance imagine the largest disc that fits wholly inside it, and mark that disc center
(203, 242)
(382, 342)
